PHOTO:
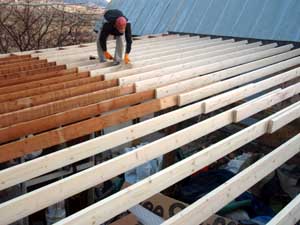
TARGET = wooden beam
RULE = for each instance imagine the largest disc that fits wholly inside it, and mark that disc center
(33, 76)
(240, 93)
(71, 116)
(190, 63)
(49, 88)
(289, 215)
(31, 101)
(62, 189)
(66, 133)
(119, 202)
(143, 66)
(42, 165)
(278, 96)
(285, 117)
(63, 105)
(212, 67)
(69, 76)
(15, 61)
(73, 53)
(163, 53)
(189, 85)
(218, 87)
(21, 65)
(224, 194)
(5, 73)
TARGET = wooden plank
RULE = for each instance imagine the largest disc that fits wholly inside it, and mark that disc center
(190, 84)
(31, 101)
(163, 62)
(265, 102)
(66, 133)
(248, 90)
(289, 215)
(205, 69)
(284, 118)
(119, 202)
(9, 58)
(42, 165)
(163, 53)
(4, 73)
(33, 77)
(169, 55)
(204, 92)
(69, 76)
(14, 61)
(63, 105)
(190, 63)
(65, 188)
(22, 64)
(224, 194)
(71, 116)
(49, 88)
(73, 53)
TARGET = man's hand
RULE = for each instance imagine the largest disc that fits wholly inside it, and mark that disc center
(107, 55)
(126, 59)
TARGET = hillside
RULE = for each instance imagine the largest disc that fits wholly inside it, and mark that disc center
(101, 3)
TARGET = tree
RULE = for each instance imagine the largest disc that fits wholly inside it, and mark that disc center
(27, 25)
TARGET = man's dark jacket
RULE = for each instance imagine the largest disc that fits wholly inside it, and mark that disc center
(109, 29)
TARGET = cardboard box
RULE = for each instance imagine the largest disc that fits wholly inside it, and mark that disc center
(167, 207)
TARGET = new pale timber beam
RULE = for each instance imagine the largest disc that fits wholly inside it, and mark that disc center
(167, 56)
(218, 101)
(194, 83)
(23, 172)
(205, 69)
(289, 215)
(179, 59)
(172, 51)
(73, 55)
(225, 193)
(200, 60)
(126, 198)
(132, 159)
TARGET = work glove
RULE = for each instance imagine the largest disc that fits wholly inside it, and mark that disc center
(107, 55)
(126, 58)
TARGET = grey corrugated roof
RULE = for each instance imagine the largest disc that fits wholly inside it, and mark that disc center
(261, 19)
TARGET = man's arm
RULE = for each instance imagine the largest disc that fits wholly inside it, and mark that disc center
(128, 38)
(103, 37)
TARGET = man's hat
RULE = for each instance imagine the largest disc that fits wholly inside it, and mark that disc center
(121, 23)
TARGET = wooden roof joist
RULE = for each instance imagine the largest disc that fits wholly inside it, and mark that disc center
(74, 115)
(224, 194)
(158, 56)
(194, 83)
(139, 44)
(42, 108)
(64, 77)
(213, 65)
(169, 55)
(48, 88)
(15, 209)
(181, 58)
(289, 215)
(63, 105)
(35, 75)
(22, 103)
(173, 69)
